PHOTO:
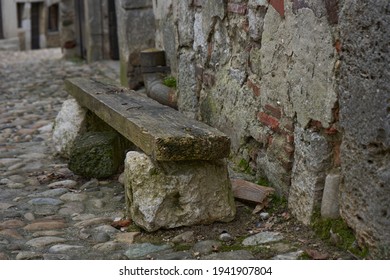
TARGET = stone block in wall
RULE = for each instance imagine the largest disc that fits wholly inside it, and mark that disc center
(365, 121)
(312, 158)
(211, 11)
(69, 123)
(187, 85)
(330, 199)
(297, 58)
(173, 194)
(185, 23)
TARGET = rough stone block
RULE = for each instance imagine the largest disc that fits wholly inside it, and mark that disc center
(330, 198)
(312, 158)
(96, 155)
(365, 121)
(69, 123)
(173, 194)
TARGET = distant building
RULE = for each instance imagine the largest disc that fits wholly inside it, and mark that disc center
(89, 29)
(29, 24)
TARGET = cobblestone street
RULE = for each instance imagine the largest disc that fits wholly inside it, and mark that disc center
(43, 214)
(47, 212)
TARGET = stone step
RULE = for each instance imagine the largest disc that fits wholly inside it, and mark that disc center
(158, 130)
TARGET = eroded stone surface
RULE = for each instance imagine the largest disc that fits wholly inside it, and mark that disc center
(170, 194)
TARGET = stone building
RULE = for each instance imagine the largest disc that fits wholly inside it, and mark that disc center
(29, 24)
(301, 87)
(89, 29)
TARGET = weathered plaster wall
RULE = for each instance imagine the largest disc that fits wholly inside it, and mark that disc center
(365, 119)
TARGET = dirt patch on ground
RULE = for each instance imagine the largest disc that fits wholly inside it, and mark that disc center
(296, 235)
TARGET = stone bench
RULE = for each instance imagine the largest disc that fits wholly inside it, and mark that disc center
(181, 178)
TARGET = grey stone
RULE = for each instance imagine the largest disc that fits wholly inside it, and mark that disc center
(50, 193)
(101, 237)
(44, 241)
(73, 197)
(137, 251)
(45, 201)
(233, 255)
(108, 246)
(69, 123)
(170, 194)
(96, 155)
(187, 87)
(311, 160)
(27, 255)
(63, 248)
(185, 237)
(262, 238)
(289, 256)
(63, 184)
(364, 118)
(206, 246)
(264, 215)
(330, 198)
(186, 18)
(167, 255)
(106, 229)
(225, 237)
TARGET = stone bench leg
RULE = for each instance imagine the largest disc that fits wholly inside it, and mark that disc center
(177, 193)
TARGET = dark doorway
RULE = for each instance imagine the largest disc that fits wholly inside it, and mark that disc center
(80, 27)
(1, 23)
(35, 7)
(113, 31)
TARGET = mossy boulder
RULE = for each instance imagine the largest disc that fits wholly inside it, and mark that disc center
(96, 155)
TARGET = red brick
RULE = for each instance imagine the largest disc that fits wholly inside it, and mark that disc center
(332, 130)
(254, 87)
(337, 45)
(278, 6)
(273, 111)
(289, 125)
(269, 121)
(237, 8)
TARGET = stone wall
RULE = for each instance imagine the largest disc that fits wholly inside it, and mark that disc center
(265, 75)
(274, 76)
(365, 119)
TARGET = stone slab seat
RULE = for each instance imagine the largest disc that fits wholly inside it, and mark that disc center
(158, 130)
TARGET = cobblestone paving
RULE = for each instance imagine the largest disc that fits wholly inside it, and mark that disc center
(47, 212)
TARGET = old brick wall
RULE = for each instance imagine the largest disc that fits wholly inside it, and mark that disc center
(264, 73)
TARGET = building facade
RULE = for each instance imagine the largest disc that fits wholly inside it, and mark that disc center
(30, 24)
